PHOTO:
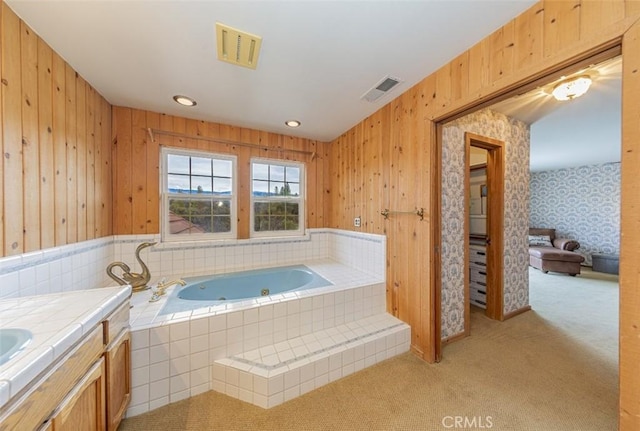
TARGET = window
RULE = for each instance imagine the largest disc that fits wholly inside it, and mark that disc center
(198, 191)
(277, 198)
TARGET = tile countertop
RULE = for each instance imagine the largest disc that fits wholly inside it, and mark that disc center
(57, 321)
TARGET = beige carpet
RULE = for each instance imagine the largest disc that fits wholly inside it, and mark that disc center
(551, 369)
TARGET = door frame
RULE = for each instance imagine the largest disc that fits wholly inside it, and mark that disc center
(605, 51)
(495, 225)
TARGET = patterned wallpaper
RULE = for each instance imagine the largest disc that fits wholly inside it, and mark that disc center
(580, 203)
(515, 134)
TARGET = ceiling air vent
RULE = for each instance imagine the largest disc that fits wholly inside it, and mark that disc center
(381, 88)
(237, 47)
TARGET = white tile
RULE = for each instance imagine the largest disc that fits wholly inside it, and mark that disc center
(159, 353)
(321, 380)
(199, 326)
(179, 366)
(307, 386)
(276, 384)
(245, 395)
(199, 377)
(140, 395)
(179, 331)
(199, 360)
(159, 371)
(199, 343)
(179, 348)
(261, 385)
(292, 378)
(159, 335)
(291, 393)
(179, 396)
(231, 390)
(260, 400)
(199, 389)
(218, 386)
(234, 319)
(139, 358)
(157, 403)
(137, 410)
(251, 316)
(178, 384)
(139, 339)
(245, 381)
(275, 399)
(139, 376)
(232, 376)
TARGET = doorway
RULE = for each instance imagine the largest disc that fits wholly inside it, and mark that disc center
(484, 206)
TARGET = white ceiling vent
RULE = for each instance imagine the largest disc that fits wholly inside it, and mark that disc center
(381, 88)
(237, 47)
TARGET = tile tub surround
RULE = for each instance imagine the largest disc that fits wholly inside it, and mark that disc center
(57, 321)
(82, 265)
(173, 355)
(59, 269)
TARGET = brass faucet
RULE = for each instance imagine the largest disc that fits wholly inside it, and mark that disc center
(162, 287)
(136, 281)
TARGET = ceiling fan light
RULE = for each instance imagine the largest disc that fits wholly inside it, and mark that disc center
(571, 88)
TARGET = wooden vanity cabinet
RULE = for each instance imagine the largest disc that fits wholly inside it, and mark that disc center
(118, 379)
(89, 389)
(83, 409)
(117, 356)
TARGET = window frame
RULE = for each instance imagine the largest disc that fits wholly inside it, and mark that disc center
(165, 234)
(301, 199)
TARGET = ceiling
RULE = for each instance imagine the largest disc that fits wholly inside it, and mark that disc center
(317, 58)
(579, 132)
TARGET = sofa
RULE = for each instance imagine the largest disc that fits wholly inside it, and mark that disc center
(548, 253)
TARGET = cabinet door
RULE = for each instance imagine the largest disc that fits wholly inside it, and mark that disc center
(118, 358)
(83, 408)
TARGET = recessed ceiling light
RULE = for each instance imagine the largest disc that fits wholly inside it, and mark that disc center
(292, 123)
(184, 100)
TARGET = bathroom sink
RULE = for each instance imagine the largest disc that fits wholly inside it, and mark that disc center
(12, 341)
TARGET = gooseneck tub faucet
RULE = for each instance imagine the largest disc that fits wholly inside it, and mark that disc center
(137, 281)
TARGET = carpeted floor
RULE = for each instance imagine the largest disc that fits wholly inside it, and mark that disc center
(552, 369)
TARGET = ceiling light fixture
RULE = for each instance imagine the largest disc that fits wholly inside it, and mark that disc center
(292, 123)
(571, 88)
(184, 100)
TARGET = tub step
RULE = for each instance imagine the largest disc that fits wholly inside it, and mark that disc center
(273, 374)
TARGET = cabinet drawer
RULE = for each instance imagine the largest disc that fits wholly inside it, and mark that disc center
(116, 322)
(478, 285)
(477, 254)
(478, 303)
(478, 274)
(478, 295)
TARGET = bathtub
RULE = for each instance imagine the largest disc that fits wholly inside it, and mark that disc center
(211, 290)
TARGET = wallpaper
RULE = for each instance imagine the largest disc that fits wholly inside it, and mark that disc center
(515, 134)
(580, 203)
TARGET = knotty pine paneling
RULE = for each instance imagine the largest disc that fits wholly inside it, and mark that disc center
(136, 161)
(525, 48)
(630, 235)
(48, 146)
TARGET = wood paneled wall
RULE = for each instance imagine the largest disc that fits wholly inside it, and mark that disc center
(55, 173)
(136, 160)
(384, 161)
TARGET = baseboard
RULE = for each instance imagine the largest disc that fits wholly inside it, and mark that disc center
(453, 338)
(516, 312)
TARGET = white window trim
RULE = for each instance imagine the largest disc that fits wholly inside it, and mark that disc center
(164, 197)
(302, 200)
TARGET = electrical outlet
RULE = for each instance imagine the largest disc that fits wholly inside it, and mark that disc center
(356, 222)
